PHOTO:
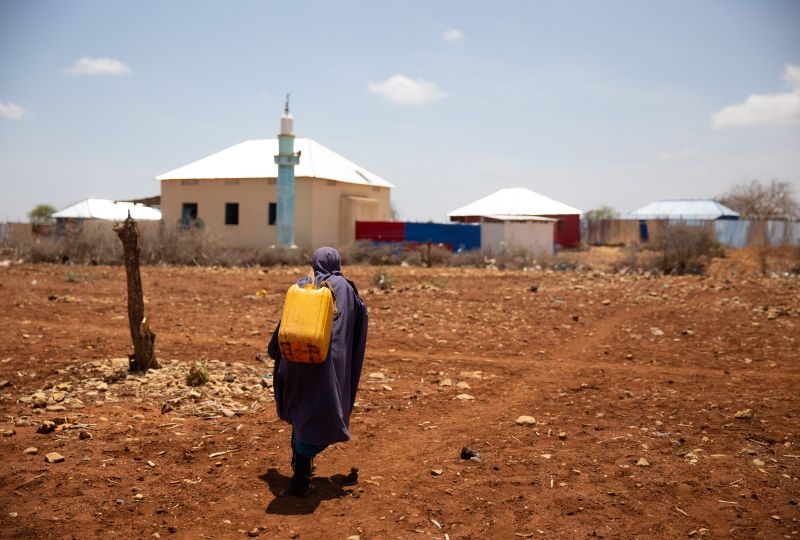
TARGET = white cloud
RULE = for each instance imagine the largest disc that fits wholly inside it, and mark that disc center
(792, 77)
(453, 35)
(98, 66)
(11, 111)
(404, 91)
(764, 109)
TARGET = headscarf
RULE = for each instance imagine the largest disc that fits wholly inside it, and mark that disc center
(317, 398)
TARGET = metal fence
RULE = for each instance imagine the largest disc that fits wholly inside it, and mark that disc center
(731, 233)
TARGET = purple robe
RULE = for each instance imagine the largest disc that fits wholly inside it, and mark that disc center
(316, 399)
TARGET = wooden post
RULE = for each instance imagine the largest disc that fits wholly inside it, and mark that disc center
(144, 356)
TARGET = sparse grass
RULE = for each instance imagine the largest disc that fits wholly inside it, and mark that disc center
(198, 375)
(382, 280)
(73, 276)
(438, 282)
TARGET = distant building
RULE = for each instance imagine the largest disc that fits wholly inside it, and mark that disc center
(233, 193)
(684, 210)
(107, 210)
(522, 216)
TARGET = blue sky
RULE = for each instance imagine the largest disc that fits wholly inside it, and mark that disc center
(591, 103)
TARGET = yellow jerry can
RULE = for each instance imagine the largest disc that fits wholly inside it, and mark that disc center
(306, 324)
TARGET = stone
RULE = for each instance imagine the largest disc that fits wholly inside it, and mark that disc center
(469, 453)
(228, 413)
(377, 375)
(31, 451)
(53, 457)
(437, 472)
(758, 462)
(253, 532)
(58, 397)
(744, 414)
(526, 420)
(102, 387)
(463, 385)
(562, 435)
(46, 427)
(9, 433)
(446, 382)
(22, 422)
(656, 331)
(56, 408)
(642, 463)
(138, 497)
(39, 400)
(84, 435)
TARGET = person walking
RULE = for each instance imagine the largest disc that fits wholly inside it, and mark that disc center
(316, 399)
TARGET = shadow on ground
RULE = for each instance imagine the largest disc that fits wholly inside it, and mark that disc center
(284, 503)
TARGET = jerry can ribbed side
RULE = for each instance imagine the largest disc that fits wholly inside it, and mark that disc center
(306, 324)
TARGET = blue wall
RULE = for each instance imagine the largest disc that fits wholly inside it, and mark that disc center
(458, 236)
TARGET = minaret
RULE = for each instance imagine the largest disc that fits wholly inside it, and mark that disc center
(286, 160)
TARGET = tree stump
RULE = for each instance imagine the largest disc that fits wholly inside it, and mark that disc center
(144, 356)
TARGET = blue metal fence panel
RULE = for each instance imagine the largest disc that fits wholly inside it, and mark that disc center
(458, 236)
(731, 233)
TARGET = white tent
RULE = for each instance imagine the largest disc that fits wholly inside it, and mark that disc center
(109, 210)
(514, 202)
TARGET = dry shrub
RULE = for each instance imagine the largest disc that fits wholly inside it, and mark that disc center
(686, 250)
(428, 255)
(173, 244)
(83, 243)
(374, 253)
(636, 259)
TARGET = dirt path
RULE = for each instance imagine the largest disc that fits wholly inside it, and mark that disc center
(663, 407)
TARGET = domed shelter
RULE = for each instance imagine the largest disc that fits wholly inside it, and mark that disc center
(515, 204)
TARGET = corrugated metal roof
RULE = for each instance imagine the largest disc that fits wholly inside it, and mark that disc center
(514, 202)
(705, 209)
(109, 210)
(255, 159)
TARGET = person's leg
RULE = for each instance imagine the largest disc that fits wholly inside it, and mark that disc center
(303, 465)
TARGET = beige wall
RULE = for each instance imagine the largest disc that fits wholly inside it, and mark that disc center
(325, 211)
(534, 236)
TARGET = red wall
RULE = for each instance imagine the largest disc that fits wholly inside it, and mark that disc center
(568, 230)
(385, 231)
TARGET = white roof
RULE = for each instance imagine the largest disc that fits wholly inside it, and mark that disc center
(109, 210)
(522, 218)
(514, 202)
(256, 159)
(683, 209)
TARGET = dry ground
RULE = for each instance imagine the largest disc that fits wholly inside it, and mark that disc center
(663, 407)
